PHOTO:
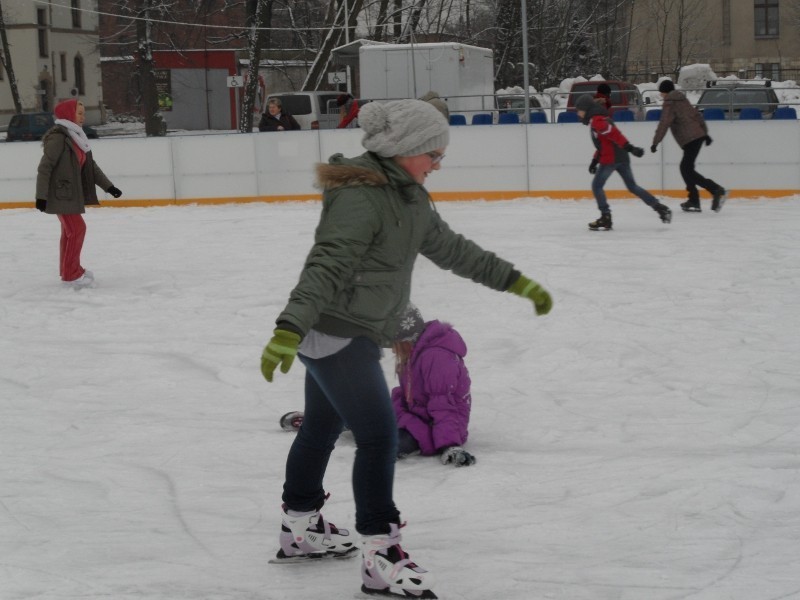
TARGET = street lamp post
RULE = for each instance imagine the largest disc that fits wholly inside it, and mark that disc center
(525, 80)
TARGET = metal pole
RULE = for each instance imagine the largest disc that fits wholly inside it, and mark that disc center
(347, 41)
(525, 80)
(524, 17)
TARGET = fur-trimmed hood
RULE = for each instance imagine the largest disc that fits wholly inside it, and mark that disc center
(366, 169)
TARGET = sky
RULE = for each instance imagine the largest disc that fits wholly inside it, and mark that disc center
(639, 442)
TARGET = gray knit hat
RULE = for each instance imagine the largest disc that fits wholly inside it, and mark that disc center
(402, 128)
(411, 325)
(584, 103)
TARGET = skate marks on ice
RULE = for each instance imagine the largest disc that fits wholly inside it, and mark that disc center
(638, 442)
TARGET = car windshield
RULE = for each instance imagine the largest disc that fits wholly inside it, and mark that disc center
(295, 105)
(737, 97)
(619, 97)
(516, 103)
(41, 121)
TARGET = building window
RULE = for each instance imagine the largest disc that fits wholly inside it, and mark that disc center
(769, 71)
(41, 23)
(76, 14)
(63, 61)
(80, 84)
(766, 18)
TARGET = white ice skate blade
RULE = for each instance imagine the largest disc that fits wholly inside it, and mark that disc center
(315, 557)
(400, 593)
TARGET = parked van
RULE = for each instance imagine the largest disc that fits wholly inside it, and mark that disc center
(312, 110)
(624, 95)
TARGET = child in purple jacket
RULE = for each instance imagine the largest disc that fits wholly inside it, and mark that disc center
(432, 403)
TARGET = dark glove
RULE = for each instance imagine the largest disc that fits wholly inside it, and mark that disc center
(653, 148)
(639, 152)
(41, 205)
(531, 290)
(593, 166)
(457, 456)
(280, 350)
(708, 140)
(114, 191)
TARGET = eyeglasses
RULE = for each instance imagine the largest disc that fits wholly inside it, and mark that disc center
(435, 157)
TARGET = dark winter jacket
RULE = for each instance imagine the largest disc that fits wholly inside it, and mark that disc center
(607, 139)
(284, 119)
(433, 399)
(679, 116)
(375, 221)
(61, 181)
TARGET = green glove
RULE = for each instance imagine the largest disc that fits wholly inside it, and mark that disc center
(281, 350)
(534, 292)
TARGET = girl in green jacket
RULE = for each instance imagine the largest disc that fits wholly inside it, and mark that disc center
(354, 287)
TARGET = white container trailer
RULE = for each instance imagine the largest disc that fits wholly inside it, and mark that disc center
(462, 75)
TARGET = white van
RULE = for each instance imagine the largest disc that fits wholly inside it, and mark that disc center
(312, 110)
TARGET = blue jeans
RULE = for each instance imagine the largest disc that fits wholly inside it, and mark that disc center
(624, 170)
(346, 387)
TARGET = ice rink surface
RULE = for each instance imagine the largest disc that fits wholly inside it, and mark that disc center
(641, 442)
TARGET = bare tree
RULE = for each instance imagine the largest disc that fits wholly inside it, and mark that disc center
(335, 36)
(260, 20)
(153, 121)
(5, 58)
(679, 26)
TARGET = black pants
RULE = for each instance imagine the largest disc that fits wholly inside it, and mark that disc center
(690, 175)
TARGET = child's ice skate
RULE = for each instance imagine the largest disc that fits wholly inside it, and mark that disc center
(387, 570)
(309, 536)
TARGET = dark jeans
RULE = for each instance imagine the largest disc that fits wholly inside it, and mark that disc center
(346, 387)
(624, 170)
(407, 444)
(690, 176)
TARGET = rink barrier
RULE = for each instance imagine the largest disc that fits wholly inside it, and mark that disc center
(437, 197)
(751, 159)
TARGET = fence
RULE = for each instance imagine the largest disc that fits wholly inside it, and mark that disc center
(489, 162)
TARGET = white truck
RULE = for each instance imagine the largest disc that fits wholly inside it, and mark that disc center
(462, 75)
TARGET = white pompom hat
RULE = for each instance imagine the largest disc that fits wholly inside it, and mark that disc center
(402, 128)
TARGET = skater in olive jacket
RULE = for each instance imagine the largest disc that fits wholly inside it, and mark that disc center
(377, 217)
(65, 185)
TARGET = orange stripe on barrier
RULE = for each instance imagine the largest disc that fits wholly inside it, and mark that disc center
(438, 196)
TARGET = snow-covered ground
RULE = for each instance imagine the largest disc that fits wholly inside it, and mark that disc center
(640, 442)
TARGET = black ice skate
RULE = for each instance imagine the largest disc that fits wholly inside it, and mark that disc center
(602, 224)
(719, 199)
(664, 212)
(691, 205)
